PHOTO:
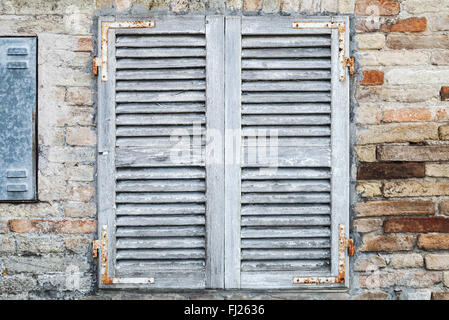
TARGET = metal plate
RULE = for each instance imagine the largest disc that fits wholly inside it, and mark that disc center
(17, 119)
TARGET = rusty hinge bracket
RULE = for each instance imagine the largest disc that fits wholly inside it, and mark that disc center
(343, 243)
(95, 66)
(341, 26)
(105, 27)
(349, 62)
(102, 245)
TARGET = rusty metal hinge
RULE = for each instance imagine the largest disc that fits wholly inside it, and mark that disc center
(343, 243)
(105, 27)
(102, 246)
(95, 66)
(349, 62)
(341, 26)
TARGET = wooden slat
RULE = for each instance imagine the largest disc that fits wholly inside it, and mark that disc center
(147, 265)
(283, 108)
(160, 41)
(159, 209)
(285, 173)
(293, 243)
(273, 209)
(160, 52)
(152, 142)
(284, 232)
(158, 254)
(162, 74)
(160, 243)
(168, 96)
(177, 197)
(156, 108)
(286, 86)
(285, 41)
(268, 198)
(152, 157)
(177, 232)
(296, 131)
(288, 157)
(286, 53)
(286, 186)
(255, 120)
(163, 63)
(158, 85)
(285, 221)
(283, 254)
(160, 173)
(139, 221)
(271, 97)
(149, 131)
(150, 119)
(285, 63)
(285, 265)
(260, 75)
(160, 185)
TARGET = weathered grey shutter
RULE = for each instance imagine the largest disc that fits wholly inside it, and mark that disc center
(162, 217)
(285, 226)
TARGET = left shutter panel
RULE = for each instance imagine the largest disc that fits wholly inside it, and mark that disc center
(152, 169)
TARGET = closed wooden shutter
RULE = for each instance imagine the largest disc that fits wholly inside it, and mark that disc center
(160, 198)
(283, 222)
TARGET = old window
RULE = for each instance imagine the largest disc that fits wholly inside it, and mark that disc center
(17, 118)
(190, 195)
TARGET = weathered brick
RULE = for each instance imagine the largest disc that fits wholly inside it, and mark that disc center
(406, 25)
(437, 261)
(436, 241)
(372, 78)
(377, 94)
(71, 154)
(369, 189)
(81, 136)
(367, 114)
(398, 42)
(7, 244)
(444, 93)
(394, 208)
(387, 243)
(379, 171)
(416, 188)
(433, 224)
(251, 5)
(419, 6)
(78, 96)
(382, 7)
(393, 58)
(85, 44)
(52, 226)
(416, 76)
(37, 246)
(371, 41)
(413, 153)
(371, 263)
(438, 22)
(404, 132)
(329, 6)
(406, 115)
(372, 295)
(79, 210)
(440, 58)
(446, 279)
(77, 245)
(366, 153)
(121, 5)
(444, 132)
(367, 225)
(80, 193)
(443, 207)
(4, 226)
(409, 260)
(437, 170)
(440, 295)
(346, 6)
(40, 209)
(406, 279)
(79, 173)
(16, 284)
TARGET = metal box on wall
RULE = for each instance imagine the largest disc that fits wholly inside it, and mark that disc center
(18, 79)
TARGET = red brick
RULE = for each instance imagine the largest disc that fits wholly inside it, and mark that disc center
(444, 93)
(52, 226)
(440, 295)
(432, 224)
(372, 78)
(377, 171)
(387, 243)
(85, 45)
(406, 25)
(443, 207)
(385, 7)
(394, 208)
(251, 5)
(433, 241)
(406, 115)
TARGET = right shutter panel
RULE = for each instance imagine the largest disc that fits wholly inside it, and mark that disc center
(287, 226)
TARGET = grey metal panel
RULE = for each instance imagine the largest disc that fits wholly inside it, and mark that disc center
(17, 119)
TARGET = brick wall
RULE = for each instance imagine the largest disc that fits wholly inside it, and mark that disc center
(401, 150)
